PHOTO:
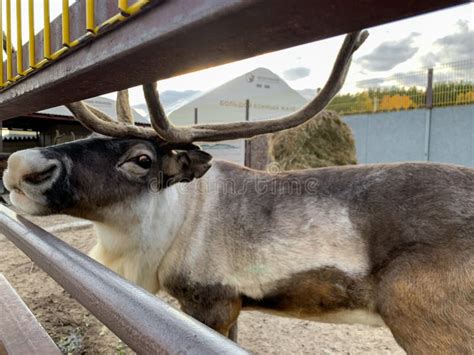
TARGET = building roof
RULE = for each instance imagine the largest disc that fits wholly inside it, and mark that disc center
(102, 103)
(28, 136)
(269, 95)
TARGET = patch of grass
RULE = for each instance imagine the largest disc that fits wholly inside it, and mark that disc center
(72, 343)
(121, 349)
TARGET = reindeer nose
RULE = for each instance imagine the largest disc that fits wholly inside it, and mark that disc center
(29, 167)
(37, 178)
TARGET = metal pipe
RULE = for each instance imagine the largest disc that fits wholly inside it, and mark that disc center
(46, 30)
(19, 40)
(2, 39)
(90, 20)
(144, 322)
(65, 23)
(247, 145)
(31, 31)
(135, 7)
(123, 6)
(9, 42)
(429, 89)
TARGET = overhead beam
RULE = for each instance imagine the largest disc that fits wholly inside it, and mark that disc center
(182, 36)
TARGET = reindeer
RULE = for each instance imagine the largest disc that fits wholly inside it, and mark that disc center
(389, 244)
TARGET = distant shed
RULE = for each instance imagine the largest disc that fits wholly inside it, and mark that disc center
(52, 126)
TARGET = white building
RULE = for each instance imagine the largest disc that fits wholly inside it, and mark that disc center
(269, 95)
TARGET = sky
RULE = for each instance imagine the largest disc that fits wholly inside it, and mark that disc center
(398, 47)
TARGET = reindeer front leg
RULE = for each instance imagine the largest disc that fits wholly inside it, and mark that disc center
(220, 315)
(234, 332)
(217, 306)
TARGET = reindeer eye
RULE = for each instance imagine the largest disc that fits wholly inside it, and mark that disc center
(143, 161)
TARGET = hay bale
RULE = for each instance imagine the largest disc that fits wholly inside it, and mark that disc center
(325, 140)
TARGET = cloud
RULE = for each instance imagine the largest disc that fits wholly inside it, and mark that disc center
(389, 54)
(370, 83)
(455, 47)
(416, 78)
(429, 60)
(296, 73)
(410, 79)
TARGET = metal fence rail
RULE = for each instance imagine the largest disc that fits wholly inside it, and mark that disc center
(453, 83)
(78, 26)
(141, 320)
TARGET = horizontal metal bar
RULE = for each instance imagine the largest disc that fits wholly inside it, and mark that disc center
(144, 322)
(181, 36)
(17, 324)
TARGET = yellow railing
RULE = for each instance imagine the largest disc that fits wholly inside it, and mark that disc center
(7, 75)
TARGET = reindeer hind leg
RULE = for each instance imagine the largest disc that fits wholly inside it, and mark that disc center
(427, 300)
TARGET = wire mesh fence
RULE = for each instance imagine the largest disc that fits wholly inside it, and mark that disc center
(453, 83)
(444, 85)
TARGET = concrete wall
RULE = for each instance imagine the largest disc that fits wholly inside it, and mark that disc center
(452, 135)
(438, 135)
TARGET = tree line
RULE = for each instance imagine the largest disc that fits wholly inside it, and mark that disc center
(401, 98)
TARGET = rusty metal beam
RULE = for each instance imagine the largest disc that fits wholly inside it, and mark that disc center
(141, 320)
(181, 36)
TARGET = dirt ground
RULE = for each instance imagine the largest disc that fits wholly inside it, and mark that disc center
(76, 331)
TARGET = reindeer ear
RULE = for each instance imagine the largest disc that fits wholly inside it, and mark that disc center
(187, 165)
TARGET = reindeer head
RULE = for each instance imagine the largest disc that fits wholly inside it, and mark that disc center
(118, 162)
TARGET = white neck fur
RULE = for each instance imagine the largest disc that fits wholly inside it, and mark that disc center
(137, 234)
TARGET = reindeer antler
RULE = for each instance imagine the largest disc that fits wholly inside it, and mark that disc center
(98, 121)
(164, 131)
(124, 111)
